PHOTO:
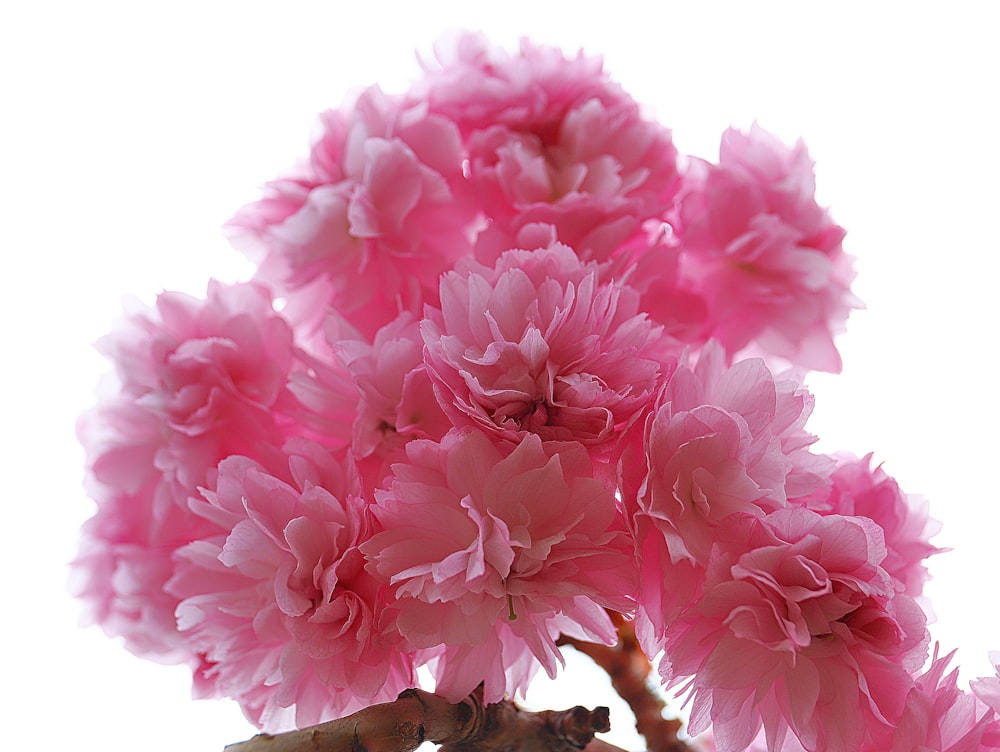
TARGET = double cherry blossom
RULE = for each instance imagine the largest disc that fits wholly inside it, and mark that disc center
(511, 369)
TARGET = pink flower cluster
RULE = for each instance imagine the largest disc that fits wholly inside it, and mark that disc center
(507, 395)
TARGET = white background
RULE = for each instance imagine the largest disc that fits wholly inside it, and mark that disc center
(130, 131)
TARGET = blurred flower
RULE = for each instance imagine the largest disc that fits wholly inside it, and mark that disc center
(199, 381)
(939, 717)
(552, 140)
(370, 222)
(765, 257)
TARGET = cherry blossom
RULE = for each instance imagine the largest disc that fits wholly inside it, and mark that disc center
(199, 381)
(492, 550)
(552, 140)
(724, 440)
(280, 603)
(798, 628)
(538, 344)
(511, 372)
(941, 717)
(397, 403)
(369, 222)
(859, 489)
(766, 258)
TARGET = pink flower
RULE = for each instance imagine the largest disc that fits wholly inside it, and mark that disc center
(798, 628)
(123, 562)
(370, 222)
(200, 380)
(509, 394)
(397, 402)
(281, 603)
(604, 173)
(478, 85)
(766, 258)
(987, 689)
(214, 372)
(942, 718)
(538, 344)
(650, 263)
(859, 489)
(326, 401)
(722, 441)
(492, 550)
(553, 140)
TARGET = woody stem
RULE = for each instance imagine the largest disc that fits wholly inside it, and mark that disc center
(629, 670)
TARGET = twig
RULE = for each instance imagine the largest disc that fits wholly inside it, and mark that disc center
(469, 726)
(629, 670)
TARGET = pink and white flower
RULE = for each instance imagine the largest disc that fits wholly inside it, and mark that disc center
(552, 140)
(397, 402)
(508, 395)
(987, 688)
(477, 85)
(723, 441)
(764, 255)
(280, 602)
(797, 628)
(940, 717)
(859, 489)
(199, 380)
(604, 173)
(538, 344)
(370, 222)
(493, 550)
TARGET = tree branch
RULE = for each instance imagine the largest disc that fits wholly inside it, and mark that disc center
(629, 670)
(469, 726)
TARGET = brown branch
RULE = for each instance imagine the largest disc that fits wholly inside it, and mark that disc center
(629, 670)
(469, 726)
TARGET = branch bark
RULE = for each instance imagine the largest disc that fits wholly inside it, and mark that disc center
(629, 670)
(469, 726)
